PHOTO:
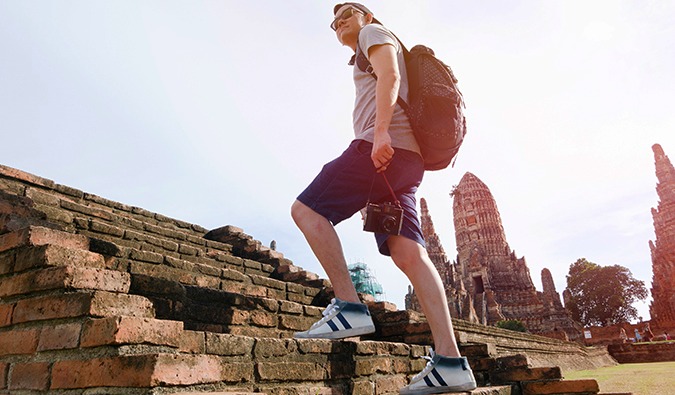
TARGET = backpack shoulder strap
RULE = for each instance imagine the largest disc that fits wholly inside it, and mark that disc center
(362, 62)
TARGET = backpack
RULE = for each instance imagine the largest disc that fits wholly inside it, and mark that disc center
(435, 104)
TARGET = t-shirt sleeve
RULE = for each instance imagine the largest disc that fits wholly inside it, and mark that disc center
(375, 34)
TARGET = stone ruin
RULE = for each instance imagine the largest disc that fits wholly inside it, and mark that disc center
(662, 308)
(487, 283)
(98, 297)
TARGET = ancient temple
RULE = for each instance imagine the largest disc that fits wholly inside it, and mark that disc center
(488, 283)
(662, 308)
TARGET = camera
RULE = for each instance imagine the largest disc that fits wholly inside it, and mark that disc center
(383, 218)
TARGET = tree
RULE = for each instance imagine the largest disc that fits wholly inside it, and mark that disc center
(602, 295)
(513, 325)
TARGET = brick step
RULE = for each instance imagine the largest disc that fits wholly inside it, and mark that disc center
(496, 390)
(70, 305)
(560, 387)
(38, 236)
(66, 278)
(221, 311)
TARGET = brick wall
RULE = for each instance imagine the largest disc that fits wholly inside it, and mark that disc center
(95, 294)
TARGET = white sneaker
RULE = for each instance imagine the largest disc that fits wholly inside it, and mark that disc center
(340, 319)
(442, 374)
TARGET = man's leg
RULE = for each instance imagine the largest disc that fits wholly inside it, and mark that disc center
(446, 370)
(414, 261)
(325, 244)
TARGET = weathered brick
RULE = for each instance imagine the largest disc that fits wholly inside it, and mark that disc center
(137, 371)
(101, 227)
(252, 264)
(187, 250)
(261, 318)
(364, 387)
(294, 371)
(130, 371)
(60, 337)
(237, 372)
(560, 387)
(7, 259)
(66, 277)
(228, 345)
(27, 177)
(390, 384)
(373, 365)
(106, 304)
(265, 348)
(315, 346)
(295, 323)
(207, 269)
(4, 368)
(131, 330)
(234, 275)
(381, 348)
(6, 314)
(19, 342)
(97, 304)
(268, 282)
(181, 369)
(478, 350)
(87, 210)
(512, 361)
(66, 190)
(37, 235)
(29, 376)
(56, 255)
(147, 256)
(193, 342)
(55, 214)
(525, 374)
(290, 308)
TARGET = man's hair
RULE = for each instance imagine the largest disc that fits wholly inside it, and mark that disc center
(359, 7)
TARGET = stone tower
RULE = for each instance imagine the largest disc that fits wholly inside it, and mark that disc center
(662, 308)
(488, 283)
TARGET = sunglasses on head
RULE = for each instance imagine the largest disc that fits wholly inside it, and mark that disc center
(346, 14)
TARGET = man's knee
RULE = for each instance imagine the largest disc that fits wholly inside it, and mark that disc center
(299, 211)
(405, 252)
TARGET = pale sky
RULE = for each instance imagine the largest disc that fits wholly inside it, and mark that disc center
(221, 112)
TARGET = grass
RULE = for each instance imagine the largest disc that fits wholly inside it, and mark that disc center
(639, 378)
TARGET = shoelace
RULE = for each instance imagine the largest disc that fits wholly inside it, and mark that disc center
(427, 368)
(326, 314)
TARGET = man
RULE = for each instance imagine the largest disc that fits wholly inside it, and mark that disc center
(384, 144)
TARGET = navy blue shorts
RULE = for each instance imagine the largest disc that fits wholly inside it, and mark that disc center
(343, 187)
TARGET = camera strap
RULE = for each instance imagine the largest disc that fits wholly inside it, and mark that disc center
(396, 202)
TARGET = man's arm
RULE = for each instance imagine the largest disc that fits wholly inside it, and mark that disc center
(385, 64)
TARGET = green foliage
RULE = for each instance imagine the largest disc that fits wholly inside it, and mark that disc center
(513, 325)
(602, 295)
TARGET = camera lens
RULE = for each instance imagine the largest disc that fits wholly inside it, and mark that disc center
(388, 223)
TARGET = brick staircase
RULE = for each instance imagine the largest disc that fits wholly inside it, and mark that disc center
(100, 297)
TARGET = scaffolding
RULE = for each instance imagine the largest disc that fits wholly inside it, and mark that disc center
(364, 281)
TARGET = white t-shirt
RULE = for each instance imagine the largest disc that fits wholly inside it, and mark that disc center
(365, 107)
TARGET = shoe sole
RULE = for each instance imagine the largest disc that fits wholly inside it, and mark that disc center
(439, 390)
(341, 334)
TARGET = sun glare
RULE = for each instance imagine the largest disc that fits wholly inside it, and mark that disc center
(598, 31)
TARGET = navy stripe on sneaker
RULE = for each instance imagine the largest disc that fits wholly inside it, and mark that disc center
(429, 383)
(344, 321)
(332, 325)
(439, 378)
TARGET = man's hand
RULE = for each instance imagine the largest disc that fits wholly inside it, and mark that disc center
(383, 152)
